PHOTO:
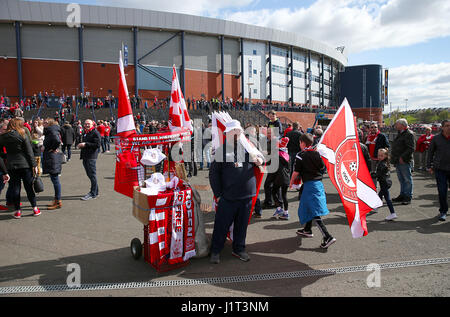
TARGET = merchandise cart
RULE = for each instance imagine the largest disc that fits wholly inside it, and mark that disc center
(168, 216)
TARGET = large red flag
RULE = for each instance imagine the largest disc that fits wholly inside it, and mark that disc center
(178, 114)
(125, 121)
(341, 153)
(125, 156)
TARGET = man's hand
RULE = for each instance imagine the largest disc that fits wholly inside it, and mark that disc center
(430, 170)
(81, 145)
(401, 161)
(6, 178)
(258, 161)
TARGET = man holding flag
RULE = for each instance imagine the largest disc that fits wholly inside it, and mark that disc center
(234, 185)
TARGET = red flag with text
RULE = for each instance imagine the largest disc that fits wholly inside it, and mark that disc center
(341, 153)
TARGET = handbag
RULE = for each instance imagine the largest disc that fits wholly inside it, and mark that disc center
(38, 184)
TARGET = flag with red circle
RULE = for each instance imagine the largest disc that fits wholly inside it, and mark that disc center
(342, 155)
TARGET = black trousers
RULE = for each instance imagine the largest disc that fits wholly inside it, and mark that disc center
(320, 225)
(17, 176)
(229, 212)
(268, 187)
(276, 196)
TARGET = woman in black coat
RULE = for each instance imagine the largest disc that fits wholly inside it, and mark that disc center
(52, 158)
(20, 164)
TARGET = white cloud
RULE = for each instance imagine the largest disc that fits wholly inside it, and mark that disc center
(359, 25)
(424, 85)
(194, 7)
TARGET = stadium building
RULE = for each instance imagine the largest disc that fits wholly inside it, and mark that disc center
(73, 49)
(363, 87)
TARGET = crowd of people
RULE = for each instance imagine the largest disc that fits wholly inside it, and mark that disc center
(30, 149)
(232, 183)
(67, 103)
(37, 147)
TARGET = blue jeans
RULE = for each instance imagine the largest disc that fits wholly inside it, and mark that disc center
(103, 144)
(69, 150)
(107, 143)
(56, 185)
(405, 179)
(384, 192)
(443, 183)
(90, 166)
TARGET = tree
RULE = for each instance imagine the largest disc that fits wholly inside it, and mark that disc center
(426, 116)
(443, 115)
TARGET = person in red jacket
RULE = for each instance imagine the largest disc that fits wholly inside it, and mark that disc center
(107, 134)
(101, 130)
(288, 129)
(422, 145)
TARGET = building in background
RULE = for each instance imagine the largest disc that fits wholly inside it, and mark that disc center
(362, 85)
(219, 59)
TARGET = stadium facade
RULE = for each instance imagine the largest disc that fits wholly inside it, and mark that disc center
(363, 87)
(41, 51)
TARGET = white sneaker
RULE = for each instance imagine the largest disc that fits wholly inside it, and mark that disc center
(391, 217)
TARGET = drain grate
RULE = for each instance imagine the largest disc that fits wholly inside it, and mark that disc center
(217, 280)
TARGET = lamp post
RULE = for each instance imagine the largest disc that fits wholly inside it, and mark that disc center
(249, 94)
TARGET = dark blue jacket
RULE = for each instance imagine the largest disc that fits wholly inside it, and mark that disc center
(233, 181)
(382, 142)
(51, 159)
(92, 141)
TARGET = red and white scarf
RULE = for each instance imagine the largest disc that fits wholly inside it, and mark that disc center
(371, 140)
(86, 131)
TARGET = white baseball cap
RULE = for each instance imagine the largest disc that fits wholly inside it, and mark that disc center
(152, 157)
(154, 185)
(233, 124)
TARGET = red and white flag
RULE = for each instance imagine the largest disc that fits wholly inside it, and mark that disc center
(178, 114)
(341, 153)
(125, 121)
(126, 159)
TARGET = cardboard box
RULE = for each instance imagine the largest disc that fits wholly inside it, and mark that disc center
(141, 209)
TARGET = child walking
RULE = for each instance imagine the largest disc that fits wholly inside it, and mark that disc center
(309, 167)
(383, 176)
(281, 181)
(36, 145)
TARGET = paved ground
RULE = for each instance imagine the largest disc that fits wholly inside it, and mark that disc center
(35, 251)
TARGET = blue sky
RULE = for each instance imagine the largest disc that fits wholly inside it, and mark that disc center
(409, 37)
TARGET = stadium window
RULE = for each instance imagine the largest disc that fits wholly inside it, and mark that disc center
(254, 52)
